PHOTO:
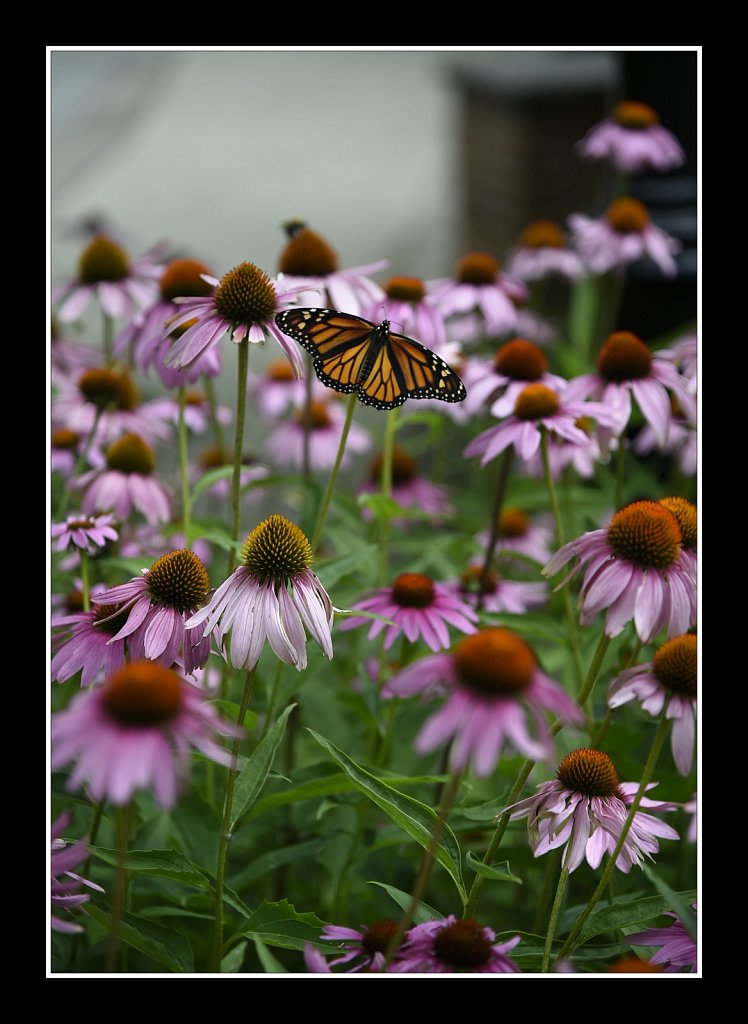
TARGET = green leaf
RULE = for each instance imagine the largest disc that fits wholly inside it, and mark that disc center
(270, 963)
(423, 911)
(627, 914)
(252, 777)
(167, 947)
(498, 872)
(269, 861)
(676, 904)
(332, 570)
(231, 709)
(382, 506)
(208, 479)
(279, 924)
(166, 911)
(529, 624)
(232, 962)
(159, 863)
(411, 815)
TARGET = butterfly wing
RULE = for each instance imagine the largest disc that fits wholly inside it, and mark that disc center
(401, 368)
(339, 343)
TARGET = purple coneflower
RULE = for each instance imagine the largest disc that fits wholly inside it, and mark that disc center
(243, 304)
(326, 421)
(682, 442)
(480, 286)
(584, 810)
(419, 608)
(409, 489)
(537, 407)
(685, 354)
(626, 367)
(312, 264)
(517, 363)
(105, 272)
(518, 533)
(635, 570)
(496, 593)
(625, 233)
(367, 946)
(411, 311)
(582, 457)
(135, 732)
(677, 950)
(214, 457)
(670, 677)
(65, 883)
(633, 140)
(84, 644)
(198, 413)
(157, 605)
(278, 390)
(691, 807)
(86, 533)
(493, 679)
(66, 445)
(127, 483)
(110, 400)
(454, 946)
(271, 596)
(543, 252)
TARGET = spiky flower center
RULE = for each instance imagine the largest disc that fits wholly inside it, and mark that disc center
(130, 454)
(685, 512)
(627, 216)
(463, 945)
(276, 550)
(645, 533)
(104, 388)
(471, 580)
(675, 665)
(212, 457)
(631, 114)
(521, 360)
(178, 580)
(513, 522)
(633, 965)
(494, 663)
(307, 254)
(377, 937)
(194, 397)
(406, 289)
(413, 590)
(543, 234)
(623, 357)
(64, 438)
(109, 617)
(589, 772)
(142, 693)
(182, 278)
(319, 416)
(246, 296)
(280, 369)
(477, 268)
(103, 260)
(404, 467)
(535, 402)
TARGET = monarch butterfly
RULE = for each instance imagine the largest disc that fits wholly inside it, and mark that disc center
(384, 369)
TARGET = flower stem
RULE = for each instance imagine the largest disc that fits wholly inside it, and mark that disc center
(241, 408)
(555, 910)
(124, 819)
(390, 429)
(210, 394)
(225, 836)
(601, 731)
(270, 713)
(184, 466)
(649, 767)
(427, 863)
(80, 462)
(498, 501)
(108, 333)
(571, 620)
(322, 514)
(85, 582)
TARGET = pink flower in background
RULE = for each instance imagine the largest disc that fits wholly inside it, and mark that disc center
(480, 287)
(135, 732)
(517, 363)
(84, 644)
(147, 542)
(285, 445)
(198, 413)
(543, 252)
(410, 489)
(278, 391)
(86, 533)
(632, 140)
(624, 234)
(685, 355)
(584, 809)
(364, 948)
(498, 594)
(64, 882)
(419, 608)
(454, 946)
(411, 311)
(677, 950)
(518, 533)
(126, 483)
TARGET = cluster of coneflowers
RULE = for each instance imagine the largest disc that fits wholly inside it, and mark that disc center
(163, 658)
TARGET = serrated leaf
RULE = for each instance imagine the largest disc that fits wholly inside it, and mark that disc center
(627, 914)
(410, 814)
(498, 872)
(164, 945)
(423, 911)
(279, 924)
(252, 777)
(684, 910)
(270, 963)
(232, 962)
(159, 863)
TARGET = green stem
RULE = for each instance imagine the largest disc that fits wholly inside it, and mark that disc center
(270, 713)
(184, 466)
(390, 429)
(602, 730)
(85, 581)
(498, 501)
(210, 394)
(555, 911)
(649, 767)
(571, 621)
(322, 515)
(80, 463)
(225, 836)
(241, 408)
(427, 863)
(108, 337)
(124, 820)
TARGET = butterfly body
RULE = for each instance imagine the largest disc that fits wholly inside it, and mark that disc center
(351, 354)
